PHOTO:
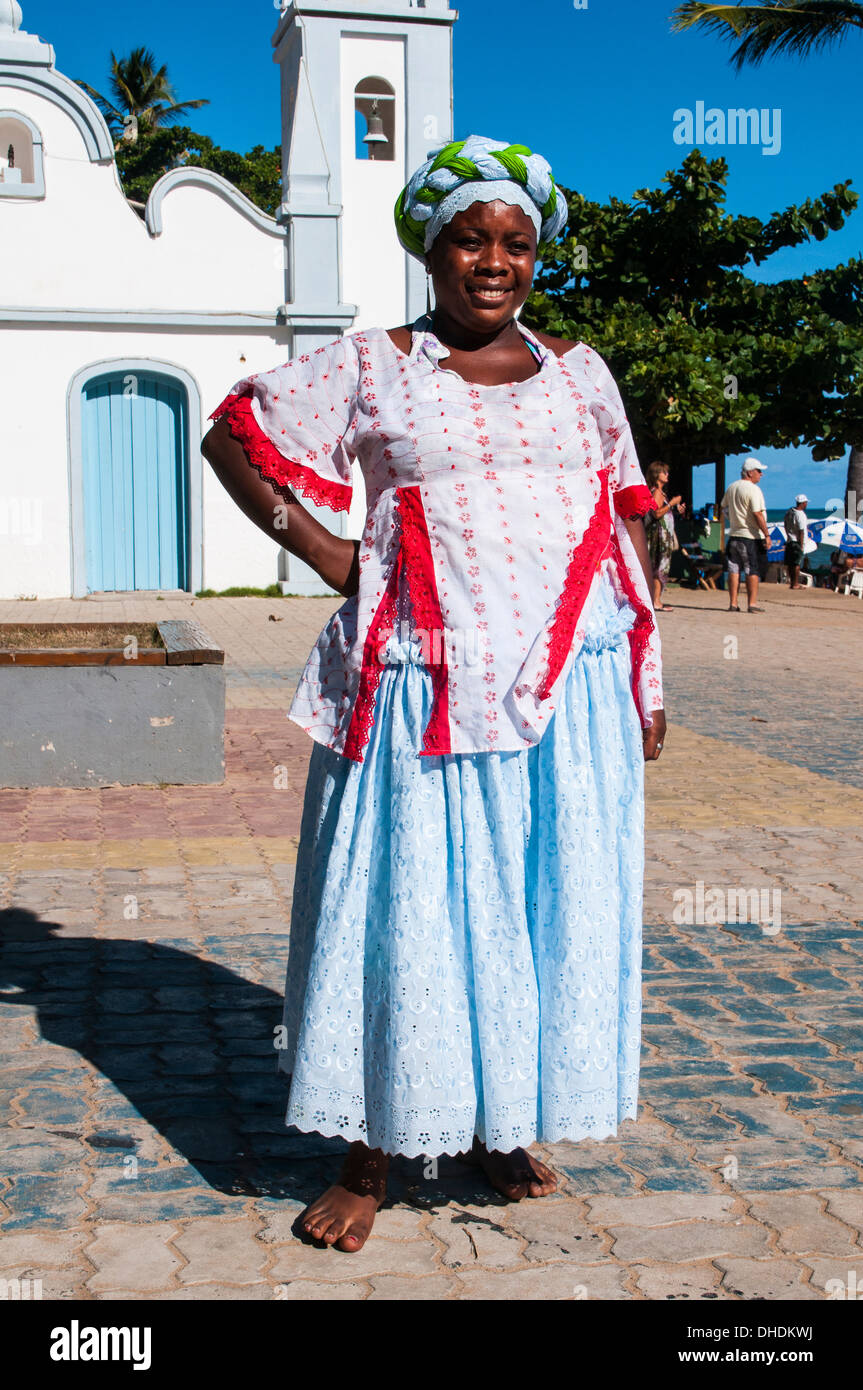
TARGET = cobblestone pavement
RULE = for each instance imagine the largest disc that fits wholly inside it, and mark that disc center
(143, 939)
(770, 695)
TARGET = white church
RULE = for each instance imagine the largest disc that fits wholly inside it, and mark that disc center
(121, 329)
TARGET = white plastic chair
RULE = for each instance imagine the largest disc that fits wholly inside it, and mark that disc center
(855, 584)
(807, 579)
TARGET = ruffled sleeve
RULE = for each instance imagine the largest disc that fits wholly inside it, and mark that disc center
(296, 422)
(632, 496)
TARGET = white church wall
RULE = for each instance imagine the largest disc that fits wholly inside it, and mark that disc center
(84, 246)
(38, 365)
(93, 284)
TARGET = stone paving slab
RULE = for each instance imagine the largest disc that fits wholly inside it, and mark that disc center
(143, 941)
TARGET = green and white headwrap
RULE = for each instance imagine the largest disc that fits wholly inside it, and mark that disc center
(477, 170)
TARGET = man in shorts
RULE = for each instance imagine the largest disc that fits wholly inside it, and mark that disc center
(795, 530)
(746, 511)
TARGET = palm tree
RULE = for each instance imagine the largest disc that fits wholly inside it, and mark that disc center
(796, 27)
(143, 97)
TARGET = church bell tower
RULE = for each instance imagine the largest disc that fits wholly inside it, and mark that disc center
(366, 92)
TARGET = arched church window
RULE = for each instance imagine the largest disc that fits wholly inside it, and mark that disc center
(21, 171)
(375, 119)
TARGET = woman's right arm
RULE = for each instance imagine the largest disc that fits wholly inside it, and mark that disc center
(662, 508)
(279, 514)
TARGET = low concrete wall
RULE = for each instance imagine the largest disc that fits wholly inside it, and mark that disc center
(92, 726)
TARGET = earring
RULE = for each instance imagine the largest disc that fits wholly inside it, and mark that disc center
(428, 294)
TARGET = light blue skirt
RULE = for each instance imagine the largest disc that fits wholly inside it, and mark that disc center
(465, 949)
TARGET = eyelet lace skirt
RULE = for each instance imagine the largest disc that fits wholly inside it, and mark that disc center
(465, 949)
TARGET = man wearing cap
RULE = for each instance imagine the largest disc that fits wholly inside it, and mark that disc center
(744, 506)
(795, 544)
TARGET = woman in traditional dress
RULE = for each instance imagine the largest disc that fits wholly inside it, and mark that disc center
(661, 537)
(465, 950)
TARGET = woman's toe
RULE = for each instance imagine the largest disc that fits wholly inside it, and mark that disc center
(353, 1239)
(544, 1181)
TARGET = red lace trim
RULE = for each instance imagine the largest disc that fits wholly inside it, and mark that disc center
(363, 714)
(426, 608)
(639, 633)
(584, 562)
(634, 501)
(272, 465)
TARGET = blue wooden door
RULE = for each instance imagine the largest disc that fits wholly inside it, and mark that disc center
(136, 482)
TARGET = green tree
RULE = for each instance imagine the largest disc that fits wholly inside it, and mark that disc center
(143, 97)
(710, 361)
(795, 27)
(257, 174)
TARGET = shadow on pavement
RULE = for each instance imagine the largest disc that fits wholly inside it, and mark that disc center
(187, 1045)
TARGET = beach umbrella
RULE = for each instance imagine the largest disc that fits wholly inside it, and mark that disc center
(837, 532)
(778, 537)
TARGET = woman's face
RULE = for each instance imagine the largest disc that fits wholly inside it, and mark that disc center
(482, 264)
(663, 477)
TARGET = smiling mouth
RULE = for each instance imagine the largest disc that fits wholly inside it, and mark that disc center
(493, 295)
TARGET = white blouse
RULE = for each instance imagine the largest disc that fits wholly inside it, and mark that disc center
(494, 509)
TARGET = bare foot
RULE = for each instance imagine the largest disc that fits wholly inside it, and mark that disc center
(516, 1175)
(343, 1216)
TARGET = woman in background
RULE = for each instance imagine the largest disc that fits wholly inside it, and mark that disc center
(661, 539)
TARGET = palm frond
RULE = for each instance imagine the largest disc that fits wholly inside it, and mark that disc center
(101, 102)
(113, 117)
(162, 114)
(175, 109)
(793, 27)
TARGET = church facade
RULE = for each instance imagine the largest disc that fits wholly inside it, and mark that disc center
(121, 329)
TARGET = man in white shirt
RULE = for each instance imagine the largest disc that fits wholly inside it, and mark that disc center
(795, 544)
(746, 511)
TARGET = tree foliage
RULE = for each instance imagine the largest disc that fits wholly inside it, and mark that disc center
(257, 174)
(143, 119)
(709, 360)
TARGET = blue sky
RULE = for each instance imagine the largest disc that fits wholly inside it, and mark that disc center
(594, 89)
